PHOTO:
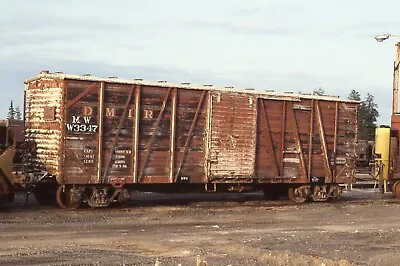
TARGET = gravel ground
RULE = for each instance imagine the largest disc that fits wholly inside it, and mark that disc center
(362, 228)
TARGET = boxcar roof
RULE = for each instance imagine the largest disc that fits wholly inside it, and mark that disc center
(263, 94)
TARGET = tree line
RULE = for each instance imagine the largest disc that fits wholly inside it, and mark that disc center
(367, 113)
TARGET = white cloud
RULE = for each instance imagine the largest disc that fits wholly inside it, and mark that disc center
(284, 45)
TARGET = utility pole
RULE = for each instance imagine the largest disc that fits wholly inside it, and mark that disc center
(395, 104)
(382, 136)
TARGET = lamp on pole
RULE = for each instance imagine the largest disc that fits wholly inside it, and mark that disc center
(382, 142)
(395, 103)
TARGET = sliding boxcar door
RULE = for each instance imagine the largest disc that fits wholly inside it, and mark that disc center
(232, 136)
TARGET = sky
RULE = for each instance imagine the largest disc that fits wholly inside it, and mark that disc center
(278, 44)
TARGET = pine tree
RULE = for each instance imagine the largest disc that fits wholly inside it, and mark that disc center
(319, 91)
(354, 95)
(11, 111)
(367, 115)
(18, 114)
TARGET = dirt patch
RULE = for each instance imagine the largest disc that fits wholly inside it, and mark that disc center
(361, 228)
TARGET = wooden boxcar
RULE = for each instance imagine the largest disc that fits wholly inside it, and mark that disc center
(91, 139)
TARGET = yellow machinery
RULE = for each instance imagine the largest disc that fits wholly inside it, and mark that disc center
(382, 154)
(6, 175)
(8, 180)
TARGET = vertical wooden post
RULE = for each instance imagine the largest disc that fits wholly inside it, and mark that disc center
(135, 163)
(208, 136)
(61, 151)
(395, 104)
(100, 135)
(172, 135)
(254, 102)
(283, 136)
(335, 139)
(310, 145)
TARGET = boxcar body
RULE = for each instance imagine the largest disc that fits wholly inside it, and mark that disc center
(96, 137)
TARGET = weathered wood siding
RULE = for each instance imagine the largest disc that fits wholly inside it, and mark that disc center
(301, 140)
(43, 134)
(232, 135)
(97, 130)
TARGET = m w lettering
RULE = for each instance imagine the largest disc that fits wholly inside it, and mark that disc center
(86, 119)
(75, 119)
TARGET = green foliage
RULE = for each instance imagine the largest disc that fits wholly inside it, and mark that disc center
(319, 91)
(367, 115)
(18, 114)
(354, 95)
(11, 111)
(14, 113)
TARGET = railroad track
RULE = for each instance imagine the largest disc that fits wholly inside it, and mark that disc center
(217, 201)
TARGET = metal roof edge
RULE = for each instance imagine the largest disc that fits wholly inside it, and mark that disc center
(259, 93)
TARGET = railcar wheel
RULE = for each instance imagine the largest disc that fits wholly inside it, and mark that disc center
(396, 189)
(68, 197)
(60, 197)
(299, 194)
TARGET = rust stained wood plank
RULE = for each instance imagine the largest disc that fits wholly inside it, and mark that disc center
(310, 140)
(253, 103)
(101, 129)
(343, 105)
(69, 152)
(209, 137)
(283, 128)
(345, 167)
(190, 135)
(24, 110)
(115, 140)
(355, 135)
(323, 140)
(153, 135)
(335, 139)
(269, 140)
(81, 95)
(63, 131)
(349, 116)
(297, 138)
(136, 134)
(173, 135)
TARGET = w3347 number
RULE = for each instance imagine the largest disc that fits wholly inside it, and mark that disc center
(82, 128)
